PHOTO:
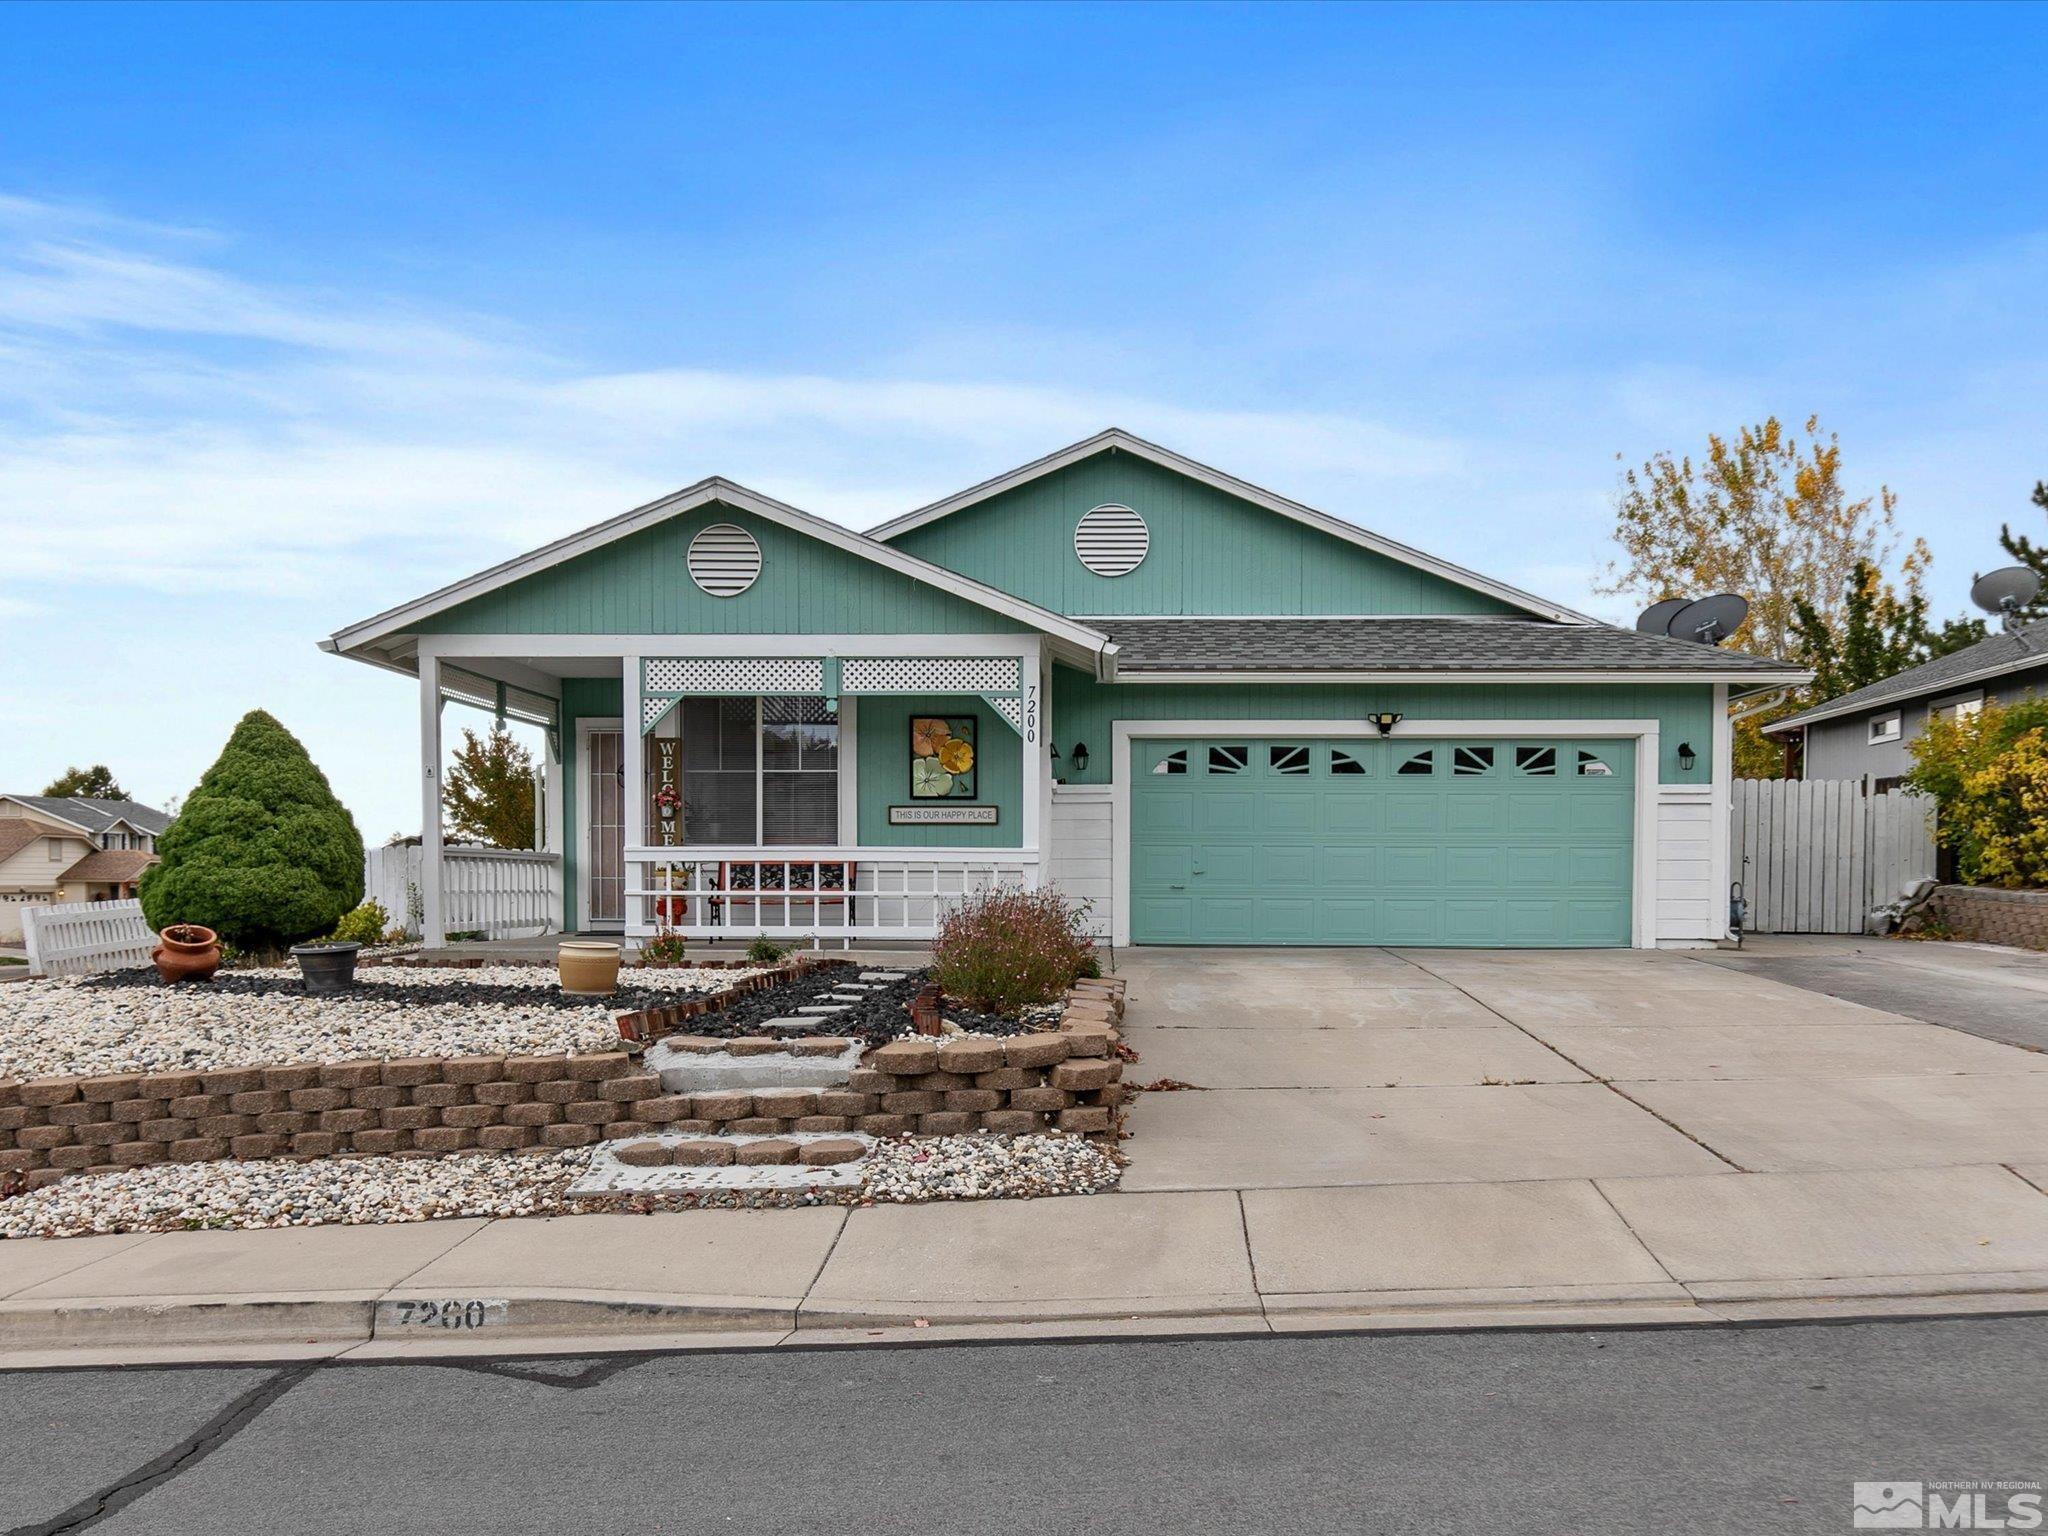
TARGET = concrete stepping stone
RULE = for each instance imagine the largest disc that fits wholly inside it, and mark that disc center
(677, 1161)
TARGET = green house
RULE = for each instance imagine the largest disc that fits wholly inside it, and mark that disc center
(1215, 714)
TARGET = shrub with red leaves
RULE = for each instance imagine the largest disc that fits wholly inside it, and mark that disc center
(1003, 951)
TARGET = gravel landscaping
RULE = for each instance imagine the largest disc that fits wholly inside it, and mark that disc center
(182, 1197)
(129, 1021)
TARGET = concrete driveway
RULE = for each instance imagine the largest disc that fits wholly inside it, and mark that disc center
(1367, 1067)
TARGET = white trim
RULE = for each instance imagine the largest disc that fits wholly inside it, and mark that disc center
(1645, 734)
(633, 770)
(1876, 735)
(576, 647)
(849, 769)
(706, 492)
(1166, 458)
(433, 926)
(1463, 675)
(584, 726)
(1721, 785)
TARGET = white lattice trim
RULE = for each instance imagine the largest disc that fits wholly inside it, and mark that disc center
(1011, 710)
(652, 710)
(932, 674)
(733, 674)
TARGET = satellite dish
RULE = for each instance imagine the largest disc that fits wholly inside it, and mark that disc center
(1710, 620)
(1656, 619)
(2005, 592)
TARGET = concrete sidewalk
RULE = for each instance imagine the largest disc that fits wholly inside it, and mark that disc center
(1701, 1249)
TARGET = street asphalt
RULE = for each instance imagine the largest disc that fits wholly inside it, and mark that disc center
(1738, 1430)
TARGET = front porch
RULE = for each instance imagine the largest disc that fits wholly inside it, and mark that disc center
(723, 788)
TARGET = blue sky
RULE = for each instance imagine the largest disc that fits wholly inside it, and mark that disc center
(306, 311)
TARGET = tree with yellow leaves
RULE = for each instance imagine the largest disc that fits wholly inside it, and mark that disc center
(1764, 514)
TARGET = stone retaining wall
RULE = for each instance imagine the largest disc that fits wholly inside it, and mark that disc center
(1987, 916)
(50, 1127)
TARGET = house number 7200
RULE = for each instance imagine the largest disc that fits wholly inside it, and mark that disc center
(1031, 714)
(452, 1316)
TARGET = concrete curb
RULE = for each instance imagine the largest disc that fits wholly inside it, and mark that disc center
(72, 1333)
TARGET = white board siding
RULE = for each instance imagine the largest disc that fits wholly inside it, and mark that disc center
(1082, 852)
(1691, 909)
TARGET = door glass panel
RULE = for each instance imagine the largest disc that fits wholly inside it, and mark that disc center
(1466, 761)
(1592, 766)
(1175, 761)
(1229, 759)
(1540, 762)
(1419, 765)
(1344, 764)
(606, 813)
(1291, 761)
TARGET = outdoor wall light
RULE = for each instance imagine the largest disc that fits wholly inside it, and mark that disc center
(1686, 756)
(1386, 723)
(1079, 757)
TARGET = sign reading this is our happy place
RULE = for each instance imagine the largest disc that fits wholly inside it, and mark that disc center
(942, 815)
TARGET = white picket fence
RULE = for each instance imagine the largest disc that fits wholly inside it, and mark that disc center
(74, 938)
(502, 893)
(1815, 856)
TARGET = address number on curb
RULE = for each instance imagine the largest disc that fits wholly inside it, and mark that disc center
(451, 1315)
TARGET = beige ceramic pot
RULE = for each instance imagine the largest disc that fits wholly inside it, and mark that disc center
(589, 967)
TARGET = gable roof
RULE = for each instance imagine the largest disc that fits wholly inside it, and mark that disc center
(1064, 631)
(1250, 648)
(111, 866)
(95, 815)
(16, 833)
(1271, 501)
(1993, 656)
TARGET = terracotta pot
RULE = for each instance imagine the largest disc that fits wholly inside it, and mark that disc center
(588, 967)
(186, 952)
(326, 968)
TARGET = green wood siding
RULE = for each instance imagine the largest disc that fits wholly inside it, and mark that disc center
(883, 736)
(639, 586)
(1084, 710)
(1210, 552)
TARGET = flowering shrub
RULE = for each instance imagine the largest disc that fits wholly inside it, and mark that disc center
(1002, 952)
(1988, 773)
(665, 948)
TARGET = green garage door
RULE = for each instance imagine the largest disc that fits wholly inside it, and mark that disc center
(1522, 842)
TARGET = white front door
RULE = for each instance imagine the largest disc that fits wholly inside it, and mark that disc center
(601, 885)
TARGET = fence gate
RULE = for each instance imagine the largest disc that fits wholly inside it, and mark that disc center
(1814, 856)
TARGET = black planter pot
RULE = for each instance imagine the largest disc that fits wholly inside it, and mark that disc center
(327, 967)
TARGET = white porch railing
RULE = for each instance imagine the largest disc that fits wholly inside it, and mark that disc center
(502, 893)
(74, 938)
(841, 893)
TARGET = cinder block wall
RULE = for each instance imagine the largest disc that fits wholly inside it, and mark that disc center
(1986, 916)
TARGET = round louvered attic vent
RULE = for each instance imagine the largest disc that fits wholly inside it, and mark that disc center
(724, 560)
(1111, 540)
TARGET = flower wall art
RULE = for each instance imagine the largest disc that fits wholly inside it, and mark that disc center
(942, 757)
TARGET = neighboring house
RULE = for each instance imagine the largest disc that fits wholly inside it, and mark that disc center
(1219, 715)
(54, 849)
(1868, 734)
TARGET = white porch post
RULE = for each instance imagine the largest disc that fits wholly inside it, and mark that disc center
(1037, 762)
(433, 931)
(633, 794)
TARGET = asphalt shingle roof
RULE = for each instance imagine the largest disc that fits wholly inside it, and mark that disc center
(111, 866)
(2025, 647)
(97, 815)
(1411, 644)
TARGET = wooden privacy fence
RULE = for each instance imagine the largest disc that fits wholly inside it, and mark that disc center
(502, 893)
(74, 938)
(1815, 856)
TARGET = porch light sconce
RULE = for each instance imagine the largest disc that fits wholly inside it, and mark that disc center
(1686, 756)
(1080, 757)
(1386, 722)
(1055, 751)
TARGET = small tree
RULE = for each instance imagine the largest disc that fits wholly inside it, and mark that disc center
(94, 783)
(262, 853)
(1877, 633)
(490, 790)
(1988, 774)
(2033, 556)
